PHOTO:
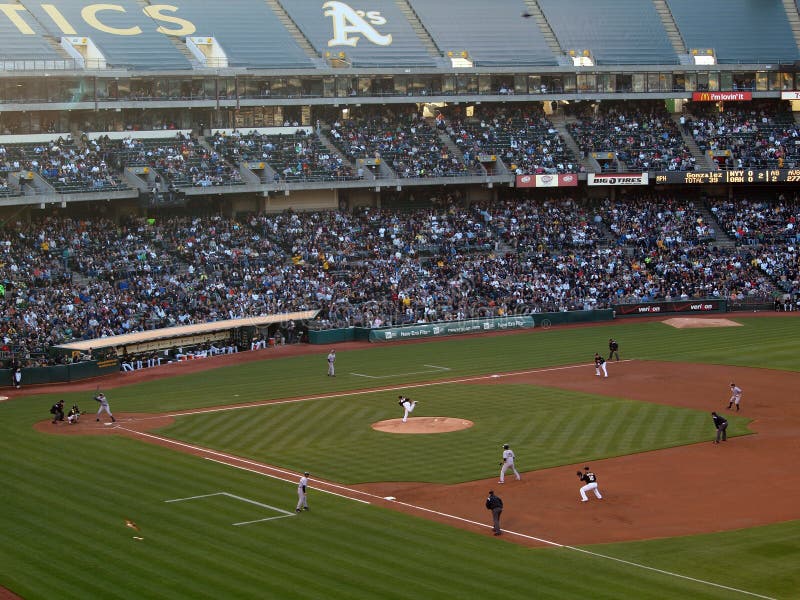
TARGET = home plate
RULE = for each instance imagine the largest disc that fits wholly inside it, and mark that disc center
(389, 498)
(108, 424)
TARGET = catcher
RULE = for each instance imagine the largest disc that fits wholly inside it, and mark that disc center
(589, 478)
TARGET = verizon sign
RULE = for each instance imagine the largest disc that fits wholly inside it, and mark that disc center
(617, 179)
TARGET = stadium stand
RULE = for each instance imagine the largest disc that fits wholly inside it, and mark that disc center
(142, 217)
(408, 143)
(18, 46)
(505, 39)
(394, 43)
(249, 32)
(145, 50)
(611, 39)
(297, 157)
(522, 137)
(739, 31)
(757, 134)
(642, 135)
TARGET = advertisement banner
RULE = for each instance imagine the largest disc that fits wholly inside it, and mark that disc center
(427, 330)
(617, 179)
(560, 180)
(655, 308)
(721, 96)
(790, 95)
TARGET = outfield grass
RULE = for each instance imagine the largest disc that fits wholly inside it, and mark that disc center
(64, 499)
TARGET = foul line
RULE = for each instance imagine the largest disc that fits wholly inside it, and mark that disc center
(434, 368)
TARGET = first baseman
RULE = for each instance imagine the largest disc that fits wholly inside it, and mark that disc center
(302, 485)
(508, 463)
(589, 478)
(736, 396)
(101, 398)
(408, 406)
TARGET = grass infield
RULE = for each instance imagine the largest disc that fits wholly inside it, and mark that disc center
(65, 499)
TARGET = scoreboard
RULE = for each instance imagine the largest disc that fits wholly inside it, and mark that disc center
(731, 176)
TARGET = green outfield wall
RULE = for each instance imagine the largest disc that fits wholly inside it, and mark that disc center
(448, 328)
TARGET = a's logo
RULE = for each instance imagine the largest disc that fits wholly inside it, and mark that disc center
(349, 23)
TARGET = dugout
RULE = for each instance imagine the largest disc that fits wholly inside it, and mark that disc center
(231, 331)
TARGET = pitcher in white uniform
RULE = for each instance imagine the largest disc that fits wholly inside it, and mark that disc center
(408, 406)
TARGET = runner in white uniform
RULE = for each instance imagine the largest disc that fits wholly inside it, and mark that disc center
(508, 463)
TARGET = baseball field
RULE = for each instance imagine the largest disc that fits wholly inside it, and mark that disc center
(191, 493)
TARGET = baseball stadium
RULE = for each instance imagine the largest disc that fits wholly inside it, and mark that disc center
(293, 291)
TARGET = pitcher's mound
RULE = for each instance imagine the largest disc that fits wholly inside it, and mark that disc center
(422, 425)
(690, 322)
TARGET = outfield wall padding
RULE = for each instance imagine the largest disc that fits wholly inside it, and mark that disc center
(447, 328)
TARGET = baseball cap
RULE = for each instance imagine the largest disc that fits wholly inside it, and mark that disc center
(306, 473)
(505, 446)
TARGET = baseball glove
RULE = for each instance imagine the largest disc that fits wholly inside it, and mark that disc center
(578, 473)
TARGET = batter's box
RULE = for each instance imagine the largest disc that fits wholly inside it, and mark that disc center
(283, 513)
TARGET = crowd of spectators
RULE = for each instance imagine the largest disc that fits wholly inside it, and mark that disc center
(756, 134)
(66, 279)
(640, 135)
(408, 143)
(297, 157)
(656, 221)
(181, 160)
(770, 230)
(65, 166)
(523, 137)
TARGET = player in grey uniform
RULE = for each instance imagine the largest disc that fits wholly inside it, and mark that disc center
(101, 398)
(736, 396)
(302, 486)
(508, 463)
(332, 363)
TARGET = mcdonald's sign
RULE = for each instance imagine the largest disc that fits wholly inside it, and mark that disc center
(721, 96)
